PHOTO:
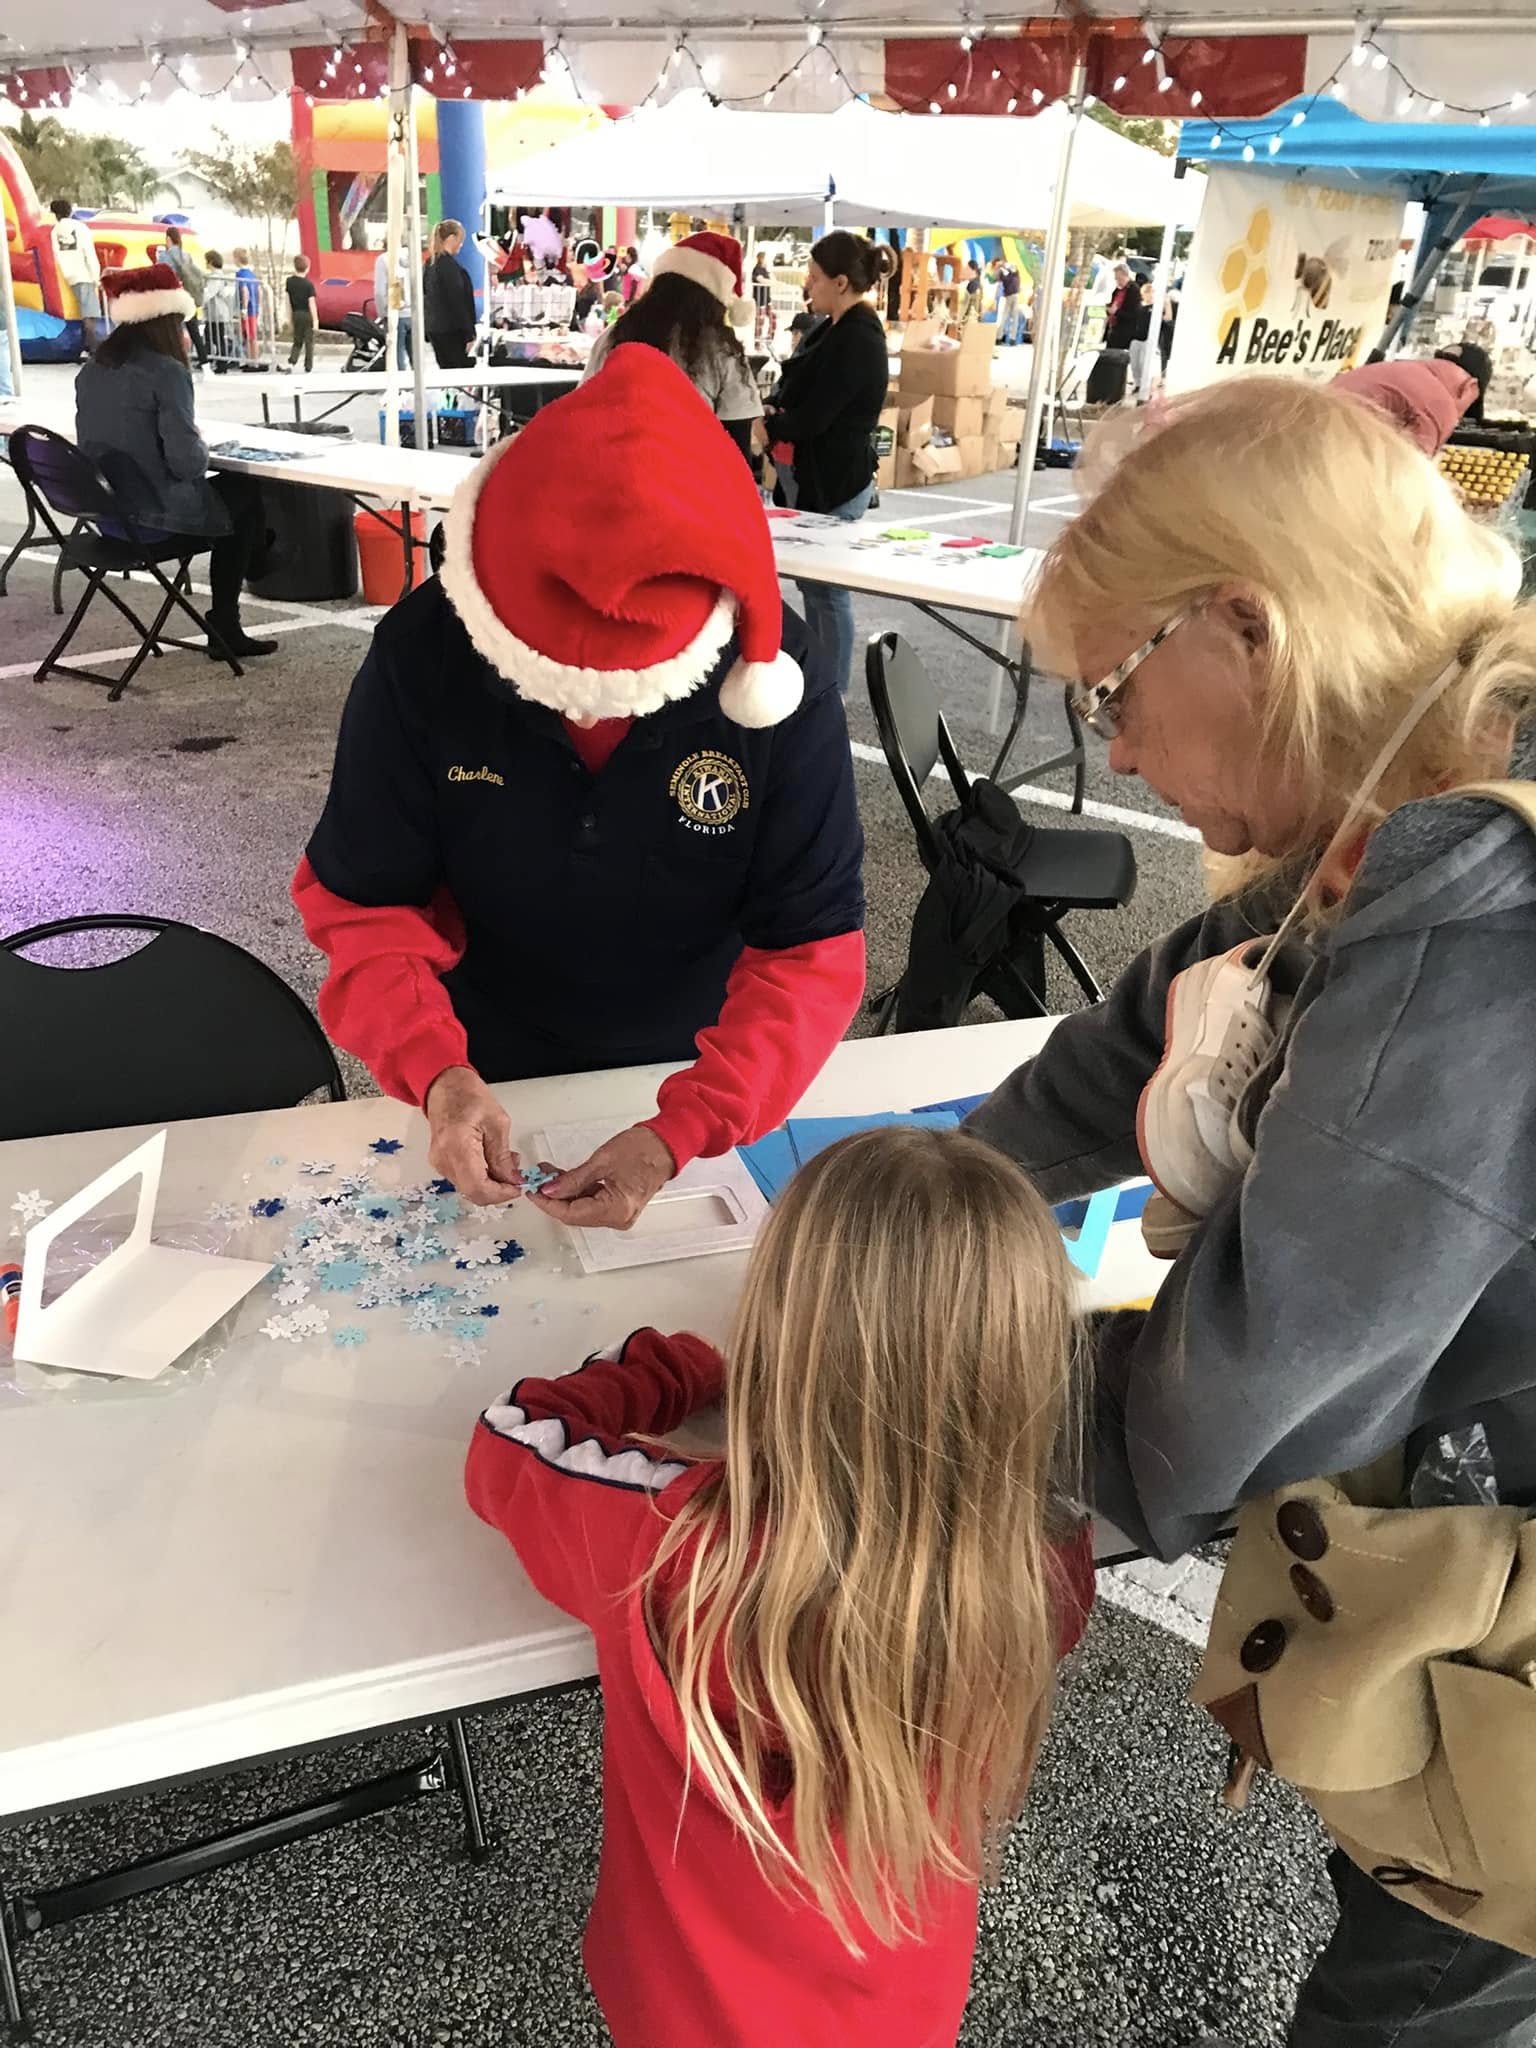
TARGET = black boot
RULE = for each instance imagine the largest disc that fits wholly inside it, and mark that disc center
(228, 636)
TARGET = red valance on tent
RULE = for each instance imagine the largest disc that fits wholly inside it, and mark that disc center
(1225, 77)
(481, 70)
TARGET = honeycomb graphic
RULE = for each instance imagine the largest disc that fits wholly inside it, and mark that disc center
(1244, 273)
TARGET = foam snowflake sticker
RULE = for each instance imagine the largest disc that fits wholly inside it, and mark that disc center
(535, 1177)
(277, 1159)
(223, 1212)
(382, 1208)
(280, 1327)
(462, 1352)
(442, 1187)
(348, 1337)
(488, 1308)
(340, 1276)
(509, 1253)
(272, 1205)
(477, 1251)
(310, 1322)
(425, 1317)
(293, 1290)
(317, 1169)
(386, 1146)
(355, 1183)
(31, 1206)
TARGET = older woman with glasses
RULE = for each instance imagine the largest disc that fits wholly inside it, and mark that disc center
(1285, 623)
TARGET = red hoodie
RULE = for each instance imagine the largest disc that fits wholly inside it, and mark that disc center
(1426, 399)
(688, 1945)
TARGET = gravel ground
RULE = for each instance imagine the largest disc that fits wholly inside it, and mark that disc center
(1132, 1911)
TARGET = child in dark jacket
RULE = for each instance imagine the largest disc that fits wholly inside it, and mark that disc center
(827, 1655)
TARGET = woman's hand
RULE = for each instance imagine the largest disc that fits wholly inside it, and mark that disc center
(609, 1190)
(760, 440)
(470, 1134)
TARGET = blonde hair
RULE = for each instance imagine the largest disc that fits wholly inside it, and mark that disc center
(444, 233)
(1371, 578)
(869, 1566)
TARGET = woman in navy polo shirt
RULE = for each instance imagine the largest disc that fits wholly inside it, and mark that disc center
(587, 811)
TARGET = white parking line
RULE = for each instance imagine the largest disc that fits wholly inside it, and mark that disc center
(96, 655)
(1057, 800)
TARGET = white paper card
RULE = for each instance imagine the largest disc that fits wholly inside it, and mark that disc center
(713, 1205)
(143, 1305)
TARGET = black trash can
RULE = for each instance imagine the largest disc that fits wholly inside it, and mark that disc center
(314, 554)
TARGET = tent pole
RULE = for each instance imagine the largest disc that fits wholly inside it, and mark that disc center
(399, 114)
(12, 335)
(1152, 361)
(829, 211)
(1459, 219)
(1042, 367)
(413, 265)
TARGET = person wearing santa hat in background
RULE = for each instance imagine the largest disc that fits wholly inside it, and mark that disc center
(691, 311)
(593, 806)
(134, 417)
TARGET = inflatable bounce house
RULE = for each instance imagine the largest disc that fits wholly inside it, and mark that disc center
(46, 313)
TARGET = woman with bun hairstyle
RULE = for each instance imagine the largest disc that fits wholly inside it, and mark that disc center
(828, 407)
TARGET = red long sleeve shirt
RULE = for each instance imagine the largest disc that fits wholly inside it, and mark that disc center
(595, 896)
(688, 1945)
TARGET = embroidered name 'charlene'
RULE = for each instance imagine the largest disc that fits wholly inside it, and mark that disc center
(459, 774)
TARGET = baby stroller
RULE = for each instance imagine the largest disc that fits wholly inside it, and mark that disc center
(367, 338)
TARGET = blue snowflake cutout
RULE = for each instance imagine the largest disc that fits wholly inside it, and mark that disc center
(270, 1205)
(488, 1308)
(348, 1337)
(340, 1276)
(442, 1187)
(466, 1328)
(386, 1146)
(511, 1252)
(535, 1177)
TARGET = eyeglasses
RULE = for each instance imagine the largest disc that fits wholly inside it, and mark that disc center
(1094, 703)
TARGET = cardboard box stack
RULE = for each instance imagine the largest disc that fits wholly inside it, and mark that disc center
(945, 418)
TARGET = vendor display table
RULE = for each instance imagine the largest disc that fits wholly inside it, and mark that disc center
(341, 386)
(277, 1553)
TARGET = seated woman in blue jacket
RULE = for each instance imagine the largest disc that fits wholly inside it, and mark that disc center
(134, 417)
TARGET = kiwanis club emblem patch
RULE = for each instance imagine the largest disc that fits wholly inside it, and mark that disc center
(710, 790)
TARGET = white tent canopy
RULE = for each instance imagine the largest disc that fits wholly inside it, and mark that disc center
(877, 170)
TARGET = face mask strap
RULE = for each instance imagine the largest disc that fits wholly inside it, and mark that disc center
(1360, 802)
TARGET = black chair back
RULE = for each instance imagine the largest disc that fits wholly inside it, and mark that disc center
(65, 480)
(913, 732)
(189, 1025)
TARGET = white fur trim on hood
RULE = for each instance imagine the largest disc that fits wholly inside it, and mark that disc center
(571, 690)
(129, 308)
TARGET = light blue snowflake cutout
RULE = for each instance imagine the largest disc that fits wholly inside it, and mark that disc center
(385, 1146)
(277, 1159)
(348, 1337)
(340, 1276)
(535, 1177)
(420, 1246)
(445, 1208)
(425, 1317)
(381, 1208)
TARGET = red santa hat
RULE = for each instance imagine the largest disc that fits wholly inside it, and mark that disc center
(603, 559)
(147, 293)
(713, 261)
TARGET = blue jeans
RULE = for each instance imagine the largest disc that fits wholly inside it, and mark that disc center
(828, 608)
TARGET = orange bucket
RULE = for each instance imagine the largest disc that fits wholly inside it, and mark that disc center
(381, 555)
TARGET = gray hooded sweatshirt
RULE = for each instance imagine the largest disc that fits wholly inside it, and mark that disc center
(1372, 1279)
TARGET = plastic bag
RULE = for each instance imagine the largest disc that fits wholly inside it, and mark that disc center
(74, 1253)
(1456, 1471)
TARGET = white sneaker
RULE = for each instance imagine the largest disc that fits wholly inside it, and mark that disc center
(1218, 1032)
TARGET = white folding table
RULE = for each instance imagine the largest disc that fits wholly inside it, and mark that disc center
(940, 579)
(342, 386)
(277, 1554)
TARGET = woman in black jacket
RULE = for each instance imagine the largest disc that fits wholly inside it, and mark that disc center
(448, 299)
(828, 407)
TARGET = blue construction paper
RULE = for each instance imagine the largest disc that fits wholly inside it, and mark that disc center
(1130, 1202)
(770, 1161)
(962, 1105)
(812, 1134)
(1086, 1251)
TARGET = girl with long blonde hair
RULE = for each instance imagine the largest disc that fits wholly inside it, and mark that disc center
(828, 1654)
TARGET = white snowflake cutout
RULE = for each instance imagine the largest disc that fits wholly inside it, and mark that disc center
(31, 1206)
(317, 1168)
(478, 1251)
(310, 1322)
(279, 1327)
(462, 1352)
(293, 1290)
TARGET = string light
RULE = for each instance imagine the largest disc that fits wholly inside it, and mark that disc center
(1405, 104)
(1247, 152)
(1118, 86)
(1012, 104)
(1274, 145)
(1436, 109)
(1197, 98)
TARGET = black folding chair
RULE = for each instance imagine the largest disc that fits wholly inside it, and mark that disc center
(105, 539)
(1060, 871)
(189, 1025)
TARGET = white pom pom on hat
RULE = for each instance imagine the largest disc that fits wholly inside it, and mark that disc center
(603, 559)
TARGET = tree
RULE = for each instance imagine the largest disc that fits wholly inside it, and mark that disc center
(259, 185)
(93, 170)
(1148, 130)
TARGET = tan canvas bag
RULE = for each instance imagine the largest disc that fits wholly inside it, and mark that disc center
(1383, 1660)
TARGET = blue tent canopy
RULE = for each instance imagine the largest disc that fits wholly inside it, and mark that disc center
(1435, 162)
